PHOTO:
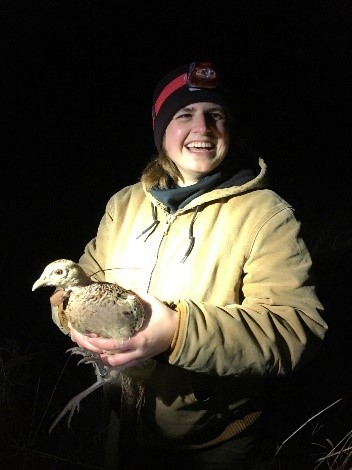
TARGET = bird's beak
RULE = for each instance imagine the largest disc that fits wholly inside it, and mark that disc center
(38, 283)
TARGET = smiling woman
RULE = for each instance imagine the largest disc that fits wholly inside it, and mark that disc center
(218, 262)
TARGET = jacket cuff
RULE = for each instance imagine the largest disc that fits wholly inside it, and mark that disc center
(174, 350)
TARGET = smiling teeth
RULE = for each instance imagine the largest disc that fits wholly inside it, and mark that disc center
(203, 145)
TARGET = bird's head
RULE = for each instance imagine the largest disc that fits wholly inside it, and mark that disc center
(62, 273)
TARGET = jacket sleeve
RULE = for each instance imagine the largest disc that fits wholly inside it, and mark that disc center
(277, 326)
(93, 258)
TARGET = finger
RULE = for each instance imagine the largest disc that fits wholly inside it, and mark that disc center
(58, 297)
(83, 342)
(128, 359)
(106, 343)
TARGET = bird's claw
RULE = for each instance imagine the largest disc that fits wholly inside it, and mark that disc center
(90, 357)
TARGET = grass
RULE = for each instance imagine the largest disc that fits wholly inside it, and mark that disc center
(322, 452)
(30, 402)
(32, 395)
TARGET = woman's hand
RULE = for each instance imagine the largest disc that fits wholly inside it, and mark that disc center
(154, 337)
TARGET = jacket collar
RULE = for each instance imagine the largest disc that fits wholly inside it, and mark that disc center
(179, 197)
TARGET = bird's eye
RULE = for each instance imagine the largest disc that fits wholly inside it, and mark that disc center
(59, 272)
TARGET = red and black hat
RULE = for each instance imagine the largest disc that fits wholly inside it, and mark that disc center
(189, 83)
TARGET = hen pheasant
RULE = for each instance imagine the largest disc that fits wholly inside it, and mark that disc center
(107, 310)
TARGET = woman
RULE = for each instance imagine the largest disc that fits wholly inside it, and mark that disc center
(218, 262)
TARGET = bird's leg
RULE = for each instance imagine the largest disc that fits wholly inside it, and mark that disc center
(90, 357)
(102, 374)
(73, 404)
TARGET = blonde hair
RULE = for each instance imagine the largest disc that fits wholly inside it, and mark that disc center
(160, 172)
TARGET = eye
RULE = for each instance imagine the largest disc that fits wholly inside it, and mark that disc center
(184, 115)
(217, 116)
(59, 272)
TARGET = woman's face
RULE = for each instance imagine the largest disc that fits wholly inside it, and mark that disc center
(197, 140)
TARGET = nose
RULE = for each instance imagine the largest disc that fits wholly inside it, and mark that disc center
(200, 123)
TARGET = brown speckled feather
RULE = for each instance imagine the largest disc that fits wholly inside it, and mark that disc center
(107, 310)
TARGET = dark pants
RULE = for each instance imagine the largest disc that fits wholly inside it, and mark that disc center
(239, 453)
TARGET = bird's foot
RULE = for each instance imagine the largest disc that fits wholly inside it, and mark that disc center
(90, 357)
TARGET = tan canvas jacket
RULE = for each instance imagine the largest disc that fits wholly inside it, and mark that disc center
(242, 286)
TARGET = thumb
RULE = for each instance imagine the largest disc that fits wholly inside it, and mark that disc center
(58, 297)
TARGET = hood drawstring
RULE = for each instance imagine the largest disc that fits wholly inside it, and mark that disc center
(190, 236)
(155, 222)
(152, 225)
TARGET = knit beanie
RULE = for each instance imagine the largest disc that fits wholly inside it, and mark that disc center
(187, 84)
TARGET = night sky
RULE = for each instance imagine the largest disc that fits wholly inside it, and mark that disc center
(77, 81)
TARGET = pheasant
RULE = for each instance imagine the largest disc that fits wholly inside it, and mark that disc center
(107, 310)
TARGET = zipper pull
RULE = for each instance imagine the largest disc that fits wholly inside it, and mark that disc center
(169, 219)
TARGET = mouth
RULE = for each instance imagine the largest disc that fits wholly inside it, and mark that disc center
(200, 145)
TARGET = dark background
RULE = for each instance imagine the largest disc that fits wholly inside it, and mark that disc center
(77, 80)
